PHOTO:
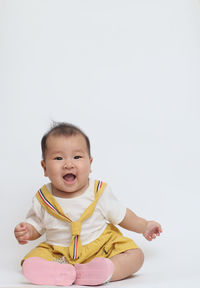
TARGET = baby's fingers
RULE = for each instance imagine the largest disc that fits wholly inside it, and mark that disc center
(158, 231)
(20, 227)
(147, 236)
(23, 242)
(22, 237)
(21, 233)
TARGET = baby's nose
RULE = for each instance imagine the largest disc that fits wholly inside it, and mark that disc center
(68, 164)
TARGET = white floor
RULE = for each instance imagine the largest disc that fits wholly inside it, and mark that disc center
(172, 266)
(141, 280)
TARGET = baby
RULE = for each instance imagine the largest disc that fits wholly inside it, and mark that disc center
(83, 246)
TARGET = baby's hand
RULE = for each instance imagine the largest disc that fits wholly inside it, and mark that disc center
(22, 233)
(153, 229)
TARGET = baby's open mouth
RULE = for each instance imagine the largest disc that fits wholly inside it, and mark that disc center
(69, 177)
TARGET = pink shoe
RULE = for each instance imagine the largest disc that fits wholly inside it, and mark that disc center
(40, 271)
(96, 272)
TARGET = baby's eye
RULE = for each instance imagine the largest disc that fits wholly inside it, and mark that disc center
(77, 157)
(58, 158)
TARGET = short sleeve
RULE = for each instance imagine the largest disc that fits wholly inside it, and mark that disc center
(111, 208)
(35, 216)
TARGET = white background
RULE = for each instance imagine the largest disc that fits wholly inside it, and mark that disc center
(126, 72)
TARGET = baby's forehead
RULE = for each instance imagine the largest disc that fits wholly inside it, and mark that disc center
(75, 141)
(57, 137)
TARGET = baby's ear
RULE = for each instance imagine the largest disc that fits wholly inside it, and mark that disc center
(91, 159)
(44, 167)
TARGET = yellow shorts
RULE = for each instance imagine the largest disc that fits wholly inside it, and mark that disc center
(110, 243)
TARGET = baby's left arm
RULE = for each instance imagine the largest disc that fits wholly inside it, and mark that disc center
(150, 229)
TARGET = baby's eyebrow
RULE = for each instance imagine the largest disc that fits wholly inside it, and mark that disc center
(62, 152)
(56, 152)
(79, 151)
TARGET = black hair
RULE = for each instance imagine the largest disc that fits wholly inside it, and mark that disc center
(63, 128)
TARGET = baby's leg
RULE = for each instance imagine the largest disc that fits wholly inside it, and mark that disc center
(127, 263)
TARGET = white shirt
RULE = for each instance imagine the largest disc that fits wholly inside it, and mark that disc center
(58, 232)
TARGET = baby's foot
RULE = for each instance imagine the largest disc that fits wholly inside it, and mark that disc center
(96, 272)
(40, 271)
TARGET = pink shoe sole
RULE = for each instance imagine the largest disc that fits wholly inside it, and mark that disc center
(96, 272)
(40, 271)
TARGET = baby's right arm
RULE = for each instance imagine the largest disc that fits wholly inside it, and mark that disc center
(24, 232)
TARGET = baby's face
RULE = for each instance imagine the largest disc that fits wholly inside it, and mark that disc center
(67, 164)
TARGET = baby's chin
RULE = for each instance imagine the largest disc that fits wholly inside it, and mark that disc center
(70, 187)
(67, 192)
